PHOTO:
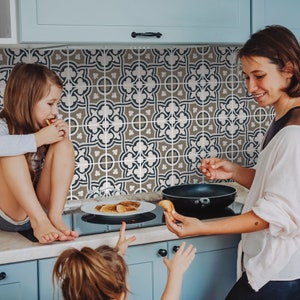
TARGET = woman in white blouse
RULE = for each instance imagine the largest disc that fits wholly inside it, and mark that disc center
(270, 221)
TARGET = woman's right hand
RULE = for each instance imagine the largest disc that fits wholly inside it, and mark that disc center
(187, 226)
(217, 168)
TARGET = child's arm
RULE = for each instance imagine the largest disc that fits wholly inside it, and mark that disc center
(19, 144)
(123, 243)
(176, 268)
(13, 145)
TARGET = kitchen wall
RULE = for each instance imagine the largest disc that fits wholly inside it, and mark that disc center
(143, 118)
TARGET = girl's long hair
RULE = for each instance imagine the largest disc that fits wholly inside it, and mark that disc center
(280, 46)
(26, 86)
(89, 274)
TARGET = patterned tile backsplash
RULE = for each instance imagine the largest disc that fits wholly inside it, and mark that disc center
(142, 119)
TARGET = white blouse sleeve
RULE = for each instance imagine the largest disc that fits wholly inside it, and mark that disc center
(12, 145)
(280, 205)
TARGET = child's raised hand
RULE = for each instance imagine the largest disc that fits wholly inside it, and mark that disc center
(123, 243)
(181, 260)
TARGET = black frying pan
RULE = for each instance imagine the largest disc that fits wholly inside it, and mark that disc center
(200, 196)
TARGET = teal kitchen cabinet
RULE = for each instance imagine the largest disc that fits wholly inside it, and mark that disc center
(19, 281)
(117, 21)
(46, 291)
(211, 275)
(270, 12)
(213, 271)
(147, 272)
(8, 22)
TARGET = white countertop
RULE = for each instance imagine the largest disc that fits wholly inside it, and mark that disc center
(16, 248)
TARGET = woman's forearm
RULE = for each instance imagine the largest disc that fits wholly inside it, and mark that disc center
(244, 223)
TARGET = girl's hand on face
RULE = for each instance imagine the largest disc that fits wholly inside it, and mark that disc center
(123, 243)
(61, 125)
(216, 168)
(49, 135)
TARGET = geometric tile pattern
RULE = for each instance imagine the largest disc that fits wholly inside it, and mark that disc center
(142, 119)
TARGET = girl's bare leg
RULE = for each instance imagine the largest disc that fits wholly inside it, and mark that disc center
(18, 199)
(55, 181)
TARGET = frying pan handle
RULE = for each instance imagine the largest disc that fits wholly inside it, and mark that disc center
(203, 202)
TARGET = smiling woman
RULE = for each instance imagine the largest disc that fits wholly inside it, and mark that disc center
(270, 220)
(266, 84)
(39, 157)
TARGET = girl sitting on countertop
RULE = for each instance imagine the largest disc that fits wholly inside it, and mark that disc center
(36, 159)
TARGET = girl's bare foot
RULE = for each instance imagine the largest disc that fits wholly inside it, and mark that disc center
(59, 224)
(45, 232)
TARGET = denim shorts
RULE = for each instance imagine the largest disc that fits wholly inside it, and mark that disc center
(7, 224)
(273, 290)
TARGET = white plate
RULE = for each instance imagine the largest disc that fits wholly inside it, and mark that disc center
(90, 208)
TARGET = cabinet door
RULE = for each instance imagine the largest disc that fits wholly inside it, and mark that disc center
(147, 272)
(213, 271)
(270, 12)
(19, 281)
(8, 34)
(99, 21)
(45, 280)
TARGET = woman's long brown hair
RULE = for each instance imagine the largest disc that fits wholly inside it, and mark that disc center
(89, 274)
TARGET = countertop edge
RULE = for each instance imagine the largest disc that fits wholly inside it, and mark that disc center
(32, 251)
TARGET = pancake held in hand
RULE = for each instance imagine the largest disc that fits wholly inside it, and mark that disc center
(168, 207)
(121, 207)
(50, 121)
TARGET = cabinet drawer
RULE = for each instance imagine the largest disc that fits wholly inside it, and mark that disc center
(98, 21)
(19, 281)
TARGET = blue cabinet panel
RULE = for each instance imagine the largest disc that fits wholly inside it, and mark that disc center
(46, 291)
(98, 21)
(210, 276)
(270, 12)
(147, 272)
(20, 282)
(213, 271)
